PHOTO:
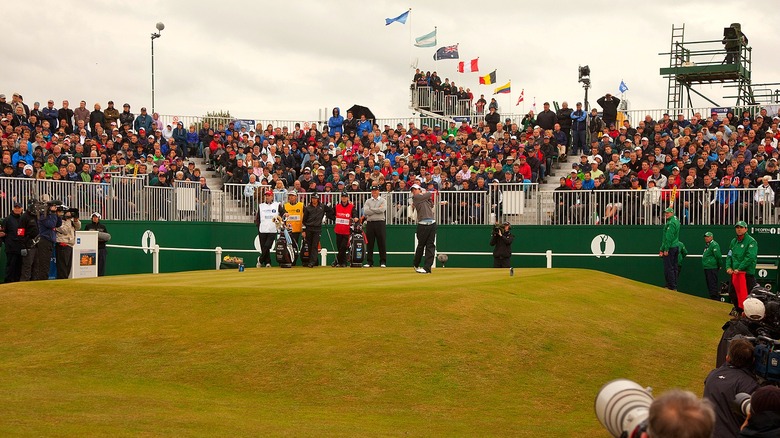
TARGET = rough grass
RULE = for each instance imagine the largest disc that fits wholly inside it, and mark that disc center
(340, 352)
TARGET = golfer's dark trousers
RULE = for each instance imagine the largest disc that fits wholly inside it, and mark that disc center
(426, 236)
(376, 231)
(313, 240)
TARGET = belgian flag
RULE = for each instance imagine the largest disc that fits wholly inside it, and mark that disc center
(489, 79)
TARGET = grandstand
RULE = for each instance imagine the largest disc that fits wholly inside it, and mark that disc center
(118, 175)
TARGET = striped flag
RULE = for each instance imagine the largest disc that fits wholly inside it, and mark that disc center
(472, 67)
(504, 89)
(521, 98)
(427, 40)
(488, 79)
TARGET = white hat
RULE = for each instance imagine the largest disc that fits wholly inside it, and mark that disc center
(754, 309)
(416, 186)
(97, 214)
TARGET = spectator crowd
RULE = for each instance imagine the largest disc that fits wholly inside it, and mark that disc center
(352, 153)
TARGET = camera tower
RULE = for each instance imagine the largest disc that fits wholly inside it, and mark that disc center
(695, 63)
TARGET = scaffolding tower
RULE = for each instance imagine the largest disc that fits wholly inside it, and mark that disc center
(705, 62)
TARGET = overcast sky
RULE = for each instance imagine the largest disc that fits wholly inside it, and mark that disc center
(288, 59)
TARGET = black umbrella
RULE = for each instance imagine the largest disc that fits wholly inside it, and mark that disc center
(359, 110)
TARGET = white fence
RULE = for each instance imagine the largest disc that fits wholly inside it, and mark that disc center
(645, 207)
(130, 198)
(434, 101)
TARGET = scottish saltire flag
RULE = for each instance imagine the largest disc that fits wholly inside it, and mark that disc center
(623, 87)
(504, 89)
(427, 40)
(446, 52)
(472, 67)
(401, 18)
(521, 98)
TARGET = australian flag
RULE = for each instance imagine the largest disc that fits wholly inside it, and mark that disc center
(446, 52)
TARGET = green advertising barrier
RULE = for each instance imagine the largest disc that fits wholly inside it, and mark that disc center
(588, 247)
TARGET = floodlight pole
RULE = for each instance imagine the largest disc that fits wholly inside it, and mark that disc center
(155, 35)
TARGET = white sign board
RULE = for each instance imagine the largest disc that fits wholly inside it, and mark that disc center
(85, 260)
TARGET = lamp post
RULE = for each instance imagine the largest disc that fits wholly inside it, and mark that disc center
(155, 35)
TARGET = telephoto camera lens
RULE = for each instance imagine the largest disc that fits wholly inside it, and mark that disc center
(742, 403)
(622, 407)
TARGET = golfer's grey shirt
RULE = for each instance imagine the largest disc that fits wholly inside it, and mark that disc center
(423, 205)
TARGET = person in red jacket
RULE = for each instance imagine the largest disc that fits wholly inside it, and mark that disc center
(344, 214)
(524, 168)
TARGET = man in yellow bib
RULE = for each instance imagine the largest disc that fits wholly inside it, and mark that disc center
(293, 213)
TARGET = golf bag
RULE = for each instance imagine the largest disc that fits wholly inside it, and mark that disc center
(357, 244)
(304, 252)
(286, 250)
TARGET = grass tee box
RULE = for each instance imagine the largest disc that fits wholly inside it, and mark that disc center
(340, 352)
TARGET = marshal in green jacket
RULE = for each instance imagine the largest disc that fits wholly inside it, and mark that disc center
(742, 256)
(712, 257)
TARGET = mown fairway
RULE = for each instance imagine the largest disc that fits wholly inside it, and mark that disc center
(340, 352)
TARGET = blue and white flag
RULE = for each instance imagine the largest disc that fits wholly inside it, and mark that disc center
(427, 40)
(401, 18)
(623, 87)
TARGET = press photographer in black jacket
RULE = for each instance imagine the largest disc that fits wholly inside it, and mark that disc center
(501, 241)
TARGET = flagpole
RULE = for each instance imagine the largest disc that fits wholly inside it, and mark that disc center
(510, 97)
(410, 40)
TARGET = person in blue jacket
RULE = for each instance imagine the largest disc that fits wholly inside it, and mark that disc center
(364, 126)
(578, 130)
(143, 120)
(48, 238)
(335, 122)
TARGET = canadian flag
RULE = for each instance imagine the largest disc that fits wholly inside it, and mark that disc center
(472, 66)
(521, 98)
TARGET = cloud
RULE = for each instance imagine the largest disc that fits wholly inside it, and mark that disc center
(288, 60)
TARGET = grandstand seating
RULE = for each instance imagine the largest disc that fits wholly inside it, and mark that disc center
(117, 171)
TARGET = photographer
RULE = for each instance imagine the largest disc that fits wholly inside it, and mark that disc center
(501, 241)
(66, 239)
(48, 221)
(745, 324)
(13, 237)
(30, 245)
(763, 420)
(733, 40)
(680, 413)
(728, 380)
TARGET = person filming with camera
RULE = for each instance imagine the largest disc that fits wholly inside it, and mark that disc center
(66, 239)
(501, 241)
(48, 221)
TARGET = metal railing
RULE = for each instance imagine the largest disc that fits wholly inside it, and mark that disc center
(447, 105)
(130, 198)
(645, 207)
(426, 98)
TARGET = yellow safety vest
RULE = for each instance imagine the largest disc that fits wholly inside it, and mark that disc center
(295, 218)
